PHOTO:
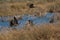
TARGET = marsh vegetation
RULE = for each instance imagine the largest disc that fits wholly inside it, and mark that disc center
(37, 19)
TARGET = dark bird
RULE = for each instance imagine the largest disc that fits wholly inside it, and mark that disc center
(50, 11)
(31, 6)
(14, 22)
(51, 21)
(30, 22)
(11, 23)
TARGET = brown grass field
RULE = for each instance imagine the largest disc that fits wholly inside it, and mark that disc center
(42, 32)
(16, 8)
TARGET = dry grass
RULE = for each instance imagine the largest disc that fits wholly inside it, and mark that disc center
(16, 8)
(42, 32)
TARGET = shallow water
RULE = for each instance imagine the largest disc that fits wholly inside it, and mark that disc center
(36, 20)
